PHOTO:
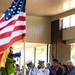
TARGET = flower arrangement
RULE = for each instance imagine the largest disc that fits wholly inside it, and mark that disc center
(10, 62)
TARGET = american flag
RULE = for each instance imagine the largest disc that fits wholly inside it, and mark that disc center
(12, 27)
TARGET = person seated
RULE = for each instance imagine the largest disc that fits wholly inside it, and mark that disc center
(71, 68)
(17, 69)
(65, 69)
(48, 66)
(56, 68)
(22, 70)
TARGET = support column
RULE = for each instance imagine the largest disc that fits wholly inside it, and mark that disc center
(60, 50)
(35, 56)
(47, 53)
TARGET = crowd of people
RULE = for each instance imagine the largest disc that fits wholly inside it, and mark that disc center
(56, 68)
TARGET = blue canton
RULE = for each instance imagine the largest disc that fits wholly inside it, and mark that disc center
(16, 7)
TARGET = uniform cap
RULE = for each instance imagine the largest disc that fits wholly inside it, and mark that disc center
(48, 63)
(28, 62)
(40, 61)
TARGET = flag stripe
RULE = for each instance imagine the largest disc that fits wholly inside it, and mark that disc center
(21, 18)
(11, 27)
(4, 23)
(2, 19)
(8, 34)
(14, 34)
(5, 46)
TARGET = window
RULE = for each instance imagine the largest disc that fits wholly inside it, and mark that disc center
(72, 20)
(66, 22)
(69, 21)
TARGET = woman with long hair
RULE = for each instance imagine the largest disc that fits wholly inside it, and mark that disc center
(65, 69)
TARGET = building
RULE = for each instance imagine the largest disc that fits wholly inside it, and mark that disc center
(46, 24)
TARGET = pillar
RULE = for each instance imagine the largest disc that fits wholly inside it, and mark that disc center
(59, 49)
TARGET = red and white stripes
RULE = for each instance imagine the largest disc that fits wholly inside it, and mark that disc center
(12, 31)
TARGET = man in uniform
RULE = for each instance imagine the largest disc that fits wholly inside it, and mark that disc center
(42, 70)
(32, 69)
(39, 62)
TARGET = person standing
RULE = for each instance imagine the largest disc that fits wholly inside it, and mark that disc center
(56, 68)
(32, 69)
(22, 70)
(65, 69)
(17, 70)
(43, 70)
(71, 68)
(48, 66)
(39, 62)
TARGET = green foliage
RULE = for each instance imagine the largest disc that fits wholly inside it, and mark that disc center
(73, 56)
(72, 47)
(41, 52)
(32, 52)
(72, 52)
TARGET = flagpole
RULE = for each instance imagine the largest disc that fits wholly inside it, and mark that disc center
(20, 62)
(24, 58)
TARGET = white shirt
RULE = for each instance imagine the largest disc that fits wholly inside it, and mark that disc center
(22, 71)
(43, 71)
(33, 71)
(12, 74)
(17, 72)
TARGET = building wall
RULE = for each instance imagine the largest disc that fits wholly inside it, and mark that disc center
(38, 29)
(59, 49)
(58, 16)
(1, 14)
(68, 33)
